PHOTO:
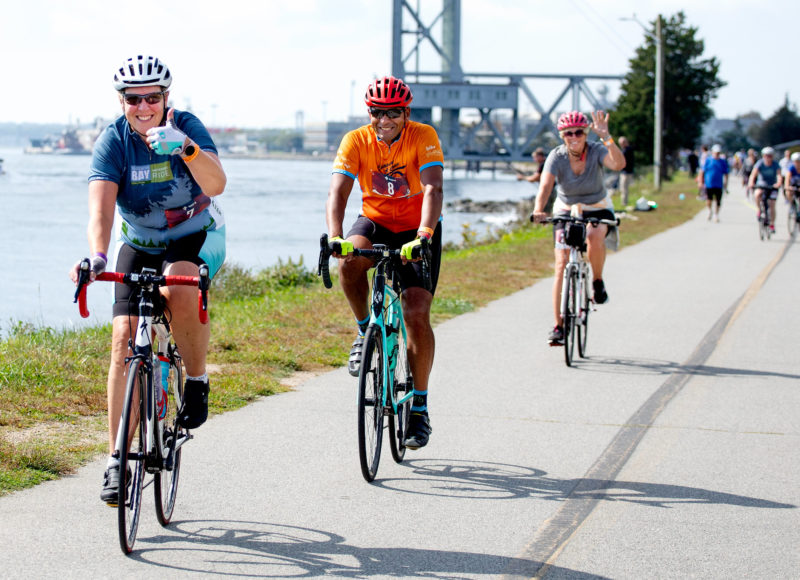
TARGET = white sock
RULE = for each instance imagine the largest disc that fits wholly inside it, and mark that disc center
(202, 378)
(112, 462)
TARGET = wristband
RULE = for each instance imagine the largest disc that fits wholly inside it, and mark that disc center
(608, 141)
(101, 255)
(427, 231)
(193, 151)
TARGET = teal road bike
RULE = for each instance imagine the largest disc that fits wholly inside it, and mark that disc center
(385, 384)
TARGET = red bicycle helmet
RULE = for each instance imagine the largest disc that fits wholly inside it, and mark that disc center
(388, 92)
(572, 119)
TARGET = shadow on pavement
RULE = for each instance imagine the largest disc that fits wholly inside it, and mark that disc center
(484, 480)
(264, 550)
(643, 366)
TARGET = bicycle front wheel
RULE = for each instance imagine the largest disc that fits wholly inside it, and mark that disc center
(132, 454)
(166, 480)
(570, 315)
(402, 387)
(791, 218)
(370, 407)
(583, 314)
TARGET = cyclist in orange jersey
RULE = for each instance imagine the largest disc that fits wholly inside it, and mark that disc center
(399, 166)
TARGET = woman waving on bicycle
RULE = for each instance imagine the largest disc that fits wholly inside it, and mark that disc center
(575, 169)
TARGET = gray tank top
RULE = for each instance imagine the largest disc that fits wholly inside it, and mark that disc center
(585, 188)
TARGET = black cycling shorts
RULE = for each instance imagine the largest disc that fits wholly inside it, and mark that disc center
(129, 259)
(411, 273)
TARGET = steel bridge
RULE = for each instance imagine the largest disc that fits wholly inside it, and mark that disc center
(502, 136)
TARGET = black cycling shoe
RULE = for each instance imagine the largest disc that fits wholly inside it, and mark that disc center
(194, 410)
(556, 337)
(354, 363)
(419, 430)
(600, 294)
(110, 493)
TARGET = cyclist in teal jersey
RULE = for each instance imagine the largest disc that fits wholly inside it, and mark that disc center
(766, 174)
(159, 168)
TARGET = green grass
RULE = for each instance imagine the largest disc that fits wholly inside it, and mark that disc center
(265, 326)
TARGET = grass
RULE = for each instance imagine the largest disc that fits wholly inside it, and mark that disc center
(266, 326)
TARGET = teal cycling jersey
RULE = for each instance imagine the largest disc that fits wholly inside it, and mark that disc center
(158, 199)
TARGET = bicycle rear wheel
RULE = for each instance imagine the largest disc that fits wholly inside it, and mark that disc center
(583, 314)
(403, 384)
(166, 480)
(132, 453)
(569, 315)
(370, 407)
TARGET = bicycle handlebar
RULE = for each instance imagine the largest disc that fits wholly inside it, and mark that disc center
(327, 249)
(202, 282)
(586, 220)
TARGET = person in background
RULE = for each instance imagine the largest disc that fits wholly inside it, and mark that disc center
(170, 222)
(714, 177)
(538, 157)
(747, 168)
(626, 175)
(766, 179)
(694, 161)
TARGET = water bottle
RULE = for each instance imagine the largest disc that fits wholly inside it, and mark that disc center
(161, 384)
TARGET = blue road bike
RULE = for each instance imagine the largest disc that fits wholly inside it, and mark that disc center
(385, 384)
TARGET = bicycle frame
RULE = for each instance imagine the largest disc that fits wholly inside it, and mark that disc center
(156, 454)
(576, 264)
(386, 310)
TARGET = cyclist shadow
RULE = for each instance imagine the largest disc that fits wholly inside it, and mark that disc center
(644, 366)
(485, 480)
(260, 549)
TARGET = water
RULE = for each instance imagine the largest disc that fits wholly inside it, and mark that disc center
(274, 209)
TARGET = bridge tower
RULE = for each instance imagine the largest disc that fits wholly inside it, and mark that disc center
(449, 89)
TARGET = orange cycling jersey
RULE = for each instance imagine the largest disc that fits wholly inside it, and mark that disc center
(389, 175)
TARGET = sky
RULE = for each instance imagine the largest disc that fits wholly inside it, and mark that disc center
(257, 63)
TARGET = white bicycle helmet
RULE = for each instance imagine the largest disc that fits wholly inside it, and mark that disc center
(767, 151)
(795, 156)
(142, 71)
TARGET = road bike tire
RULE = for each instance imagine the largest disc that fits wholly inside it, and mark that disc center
(166, 481)
(370, 407)
(569, 318)
(132, 452)
(583, 315)
(791, 219)
(402, 385)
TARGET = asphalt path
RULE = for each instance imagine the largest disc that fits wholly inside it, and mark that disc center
(670, 452)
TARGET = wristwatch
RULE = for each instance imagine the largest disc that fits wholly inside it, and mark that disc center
(190, 152)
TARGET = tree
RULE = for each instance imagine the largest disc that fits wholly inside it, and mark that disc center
(735, 139)
(781, 127)
(690, 83)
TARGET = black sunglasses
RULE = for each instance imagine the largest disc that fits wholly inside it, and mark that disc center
(577, 133)
(391, 113)
(150, 98)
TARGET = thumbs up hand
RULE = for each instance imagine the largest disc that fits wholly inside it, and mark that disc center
(167, 140)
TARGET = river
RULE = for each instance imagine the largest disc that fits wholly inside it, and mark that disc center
(274, 209)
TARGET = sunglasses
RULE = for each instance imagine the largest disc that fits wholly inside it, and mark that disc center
(576, 133)
(391, 113)
(149, 98)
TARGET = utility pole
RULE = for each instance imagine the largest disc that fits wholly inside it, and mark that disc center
(658, 105)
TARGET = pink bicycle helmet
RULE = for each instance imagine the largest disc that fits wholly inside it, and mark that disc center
(388, 92)
(572, 119)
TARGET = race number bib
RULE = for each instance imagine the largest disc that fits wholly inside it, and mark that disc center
(389, 186)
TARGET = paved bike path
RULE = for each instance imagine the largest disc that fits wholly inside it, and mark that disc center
(517, 471)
